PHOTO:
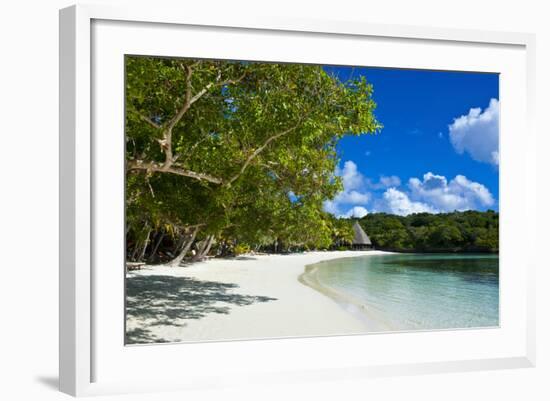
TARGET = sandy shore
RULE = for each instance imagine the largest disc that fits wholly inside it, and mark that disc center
(256, 296)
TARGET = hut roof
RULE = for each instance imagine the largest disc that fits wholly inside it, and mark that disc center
(360, 237)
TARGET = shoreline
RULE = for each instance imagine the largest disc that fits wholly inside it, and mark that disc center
(248, 297)
(440, 251)
(346, 301)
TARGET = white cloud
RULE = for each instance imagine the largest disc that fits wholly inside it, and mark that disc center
(352, 197)
(398, 202)
(473, 191)
(477, 133)
(331, 207)
(355, 192)
(432, 193)
(351, 177)
(390, 181)
(356, 211)
(458, 194)
(383, 182)
(495, 158)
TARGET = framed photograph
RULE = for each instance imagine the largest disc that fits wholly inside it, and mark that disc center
(277, 200)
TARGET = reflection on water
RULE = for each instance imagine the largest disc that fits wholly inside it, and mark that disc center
(417, 291)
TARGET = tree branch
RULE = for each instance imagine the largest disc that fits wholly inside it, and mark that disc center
(190, 98)
(259, 150)
(216, 84)
(187, 99)
(161, 168)
(143, 117)
(165, 142)
(149, 121)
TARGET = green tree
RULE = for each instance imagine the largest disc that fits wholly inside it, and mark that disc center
(444, 236)
(229, 141)
(468, 231)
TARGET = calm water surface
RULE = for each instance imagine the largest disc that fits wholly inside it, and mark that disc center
(416, 291)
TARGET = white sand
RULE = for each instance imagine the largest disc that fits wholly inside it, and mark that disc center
(256, 296)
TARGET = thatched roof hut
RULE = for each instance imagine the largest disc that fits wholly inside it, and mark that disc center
(360, 237)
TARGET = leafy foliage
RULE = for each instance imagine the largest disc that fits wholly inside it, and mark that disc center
(469, 231)
(239, 156)
(245, 151)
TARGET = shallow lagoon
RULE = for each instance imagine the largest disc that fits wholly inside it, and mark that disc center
(414, 291)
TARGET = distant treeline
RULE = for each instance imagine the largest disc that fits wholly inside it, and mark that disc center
(469, 231)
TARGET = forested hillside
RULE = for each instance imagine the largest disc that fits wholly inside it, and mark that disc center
(468, 231)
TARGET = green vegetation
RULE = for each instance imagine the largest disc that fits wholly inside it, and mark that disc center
(468, 231)
(222, 157)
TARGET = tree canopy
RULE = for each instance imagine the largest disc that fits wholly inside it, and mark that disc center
(232, 152)
(469, 231)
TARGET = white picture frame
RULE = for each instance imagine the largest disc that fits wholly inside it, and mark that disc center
(88, 351)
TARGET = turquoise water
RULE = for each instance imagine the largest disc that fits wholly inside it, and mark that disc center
(415, 291)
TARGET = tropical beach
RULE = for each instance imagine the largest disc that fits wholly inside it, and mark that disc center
(267, 296)
(254, 296)
(273, 200)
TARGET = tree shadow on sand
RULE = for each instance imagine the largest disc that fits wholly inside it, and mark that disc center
(169, 301)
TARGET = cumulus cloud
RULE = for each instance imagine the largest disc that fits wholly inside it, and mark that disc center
(432, 193)
(355, 192)
(351, 177)
(390, 181)
(352, 197)
(458, 194)
(398, 202)
(476, 133)
(473, 191)
(331, 207)
(357, 212)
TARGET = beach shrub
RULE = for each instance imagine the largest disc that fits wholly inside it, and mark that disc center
(239, 249)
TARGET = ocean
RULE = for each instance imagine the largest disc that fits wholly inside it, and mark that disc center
(414, 291)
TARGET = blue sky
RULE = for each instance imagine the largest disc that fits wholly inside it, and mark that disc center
(437, 152)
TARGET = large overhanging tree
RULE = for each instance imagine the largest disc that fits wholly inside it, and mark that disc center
(242, 148)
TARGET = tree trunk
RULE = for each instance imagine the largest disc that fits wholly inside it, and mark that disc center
(145, 244)
(208, 246)
(159, 239)
(205, 248)
(178, 245)
(201, 245)
(135, 251)
(178, 259)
